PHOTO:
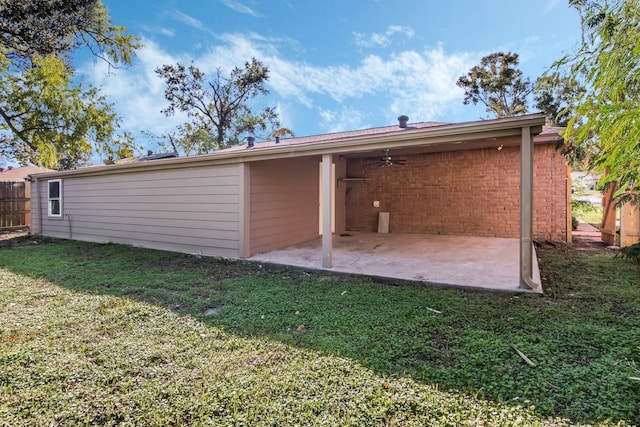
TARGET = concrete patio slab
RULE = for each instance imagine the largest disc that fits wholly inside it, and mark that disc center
(458, 261)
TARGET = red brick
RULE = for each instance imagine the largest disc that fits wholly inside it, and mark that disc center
(473, 192)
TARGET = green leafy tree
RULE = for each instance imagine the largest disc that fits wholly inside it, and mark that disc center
(188, 139)
(221, 105)
(608, 115)
(46, 117)
(556, 96)
(498, 84)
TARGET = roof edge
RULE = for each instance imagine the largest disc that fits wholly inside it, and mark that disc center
(440, 134)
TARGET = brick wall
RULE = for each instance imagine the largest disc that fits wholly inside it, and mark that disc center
(472, 192)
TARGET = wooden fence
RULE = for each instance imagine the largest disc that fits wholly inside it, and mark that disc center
(620, 224)
(15, 205)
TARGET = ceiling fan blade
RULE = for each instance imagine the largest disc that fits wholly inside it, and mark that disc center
(386, 160)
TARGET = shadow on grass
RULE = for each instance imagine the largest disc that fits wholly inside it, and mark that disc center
(583, 347)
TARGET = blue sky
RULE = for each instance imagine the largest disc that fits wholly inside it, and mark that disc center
(334, 64)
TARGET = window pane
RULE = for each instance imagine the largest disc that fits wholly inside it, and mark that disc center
(54, 207)
(54, 189)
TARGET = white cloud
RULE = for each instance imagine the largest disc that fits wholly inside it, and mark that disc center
(167, 32)
(239, 7)
(382, 39)
(551, 4)
(161, 30)
(137, 92)
(419, 82)
(348, 118)
(189, 20)
(371, 92)
(399, 29)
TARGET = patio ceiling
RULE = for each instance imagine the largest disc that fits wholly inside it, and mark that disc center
(460, 145)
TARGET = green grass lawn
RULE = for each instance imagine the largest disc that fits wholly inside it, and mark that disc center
(112, 335)
(586, 212)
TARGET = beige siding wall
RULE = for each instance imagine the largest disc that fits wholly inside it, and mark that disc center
(192, 210)
(284, 203)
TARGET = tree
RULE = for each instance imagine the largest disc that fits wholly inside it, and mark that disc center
(608, 115)
(47, 118)
(31, 28)
(556, 96)
(187, 139)
(498, 84)
(220, 105)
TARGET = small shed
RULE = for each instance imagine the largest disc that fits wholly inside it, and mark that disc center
(482, 178)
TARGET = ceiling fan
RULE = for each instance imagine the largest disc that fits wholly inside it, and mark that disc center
(386, 160)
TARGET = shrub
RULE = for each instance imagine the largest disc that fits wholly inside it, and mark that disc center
(631, 253)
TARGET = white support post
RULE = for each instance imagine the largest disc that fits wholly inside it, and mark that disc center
(327, 209)
(526, 211)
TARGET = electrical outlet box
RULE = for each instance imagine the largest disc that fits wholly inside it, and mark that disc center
(376, 203)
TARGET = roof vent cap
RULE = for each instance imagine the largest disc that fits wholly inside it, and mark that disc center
(250, 141)
(402, 121)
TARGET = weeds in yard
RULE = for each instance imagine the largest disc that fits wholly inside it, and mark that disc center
(631, 253)
(106, 334)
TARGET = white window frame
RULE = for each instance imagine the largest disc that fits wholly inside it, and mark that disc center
(51, 199)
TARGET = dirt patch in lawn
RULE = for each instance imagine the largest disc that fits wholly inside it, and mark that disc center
(9, 238)
(588, 243)
(578, 244)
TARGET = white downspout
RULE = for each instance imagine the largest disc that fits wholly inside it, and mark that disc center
(526, 212)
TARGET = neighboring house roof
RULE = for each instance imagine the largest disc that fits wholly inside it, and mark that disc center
(550, 134)
(584, 176)
(432, 136)
(12, 174)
